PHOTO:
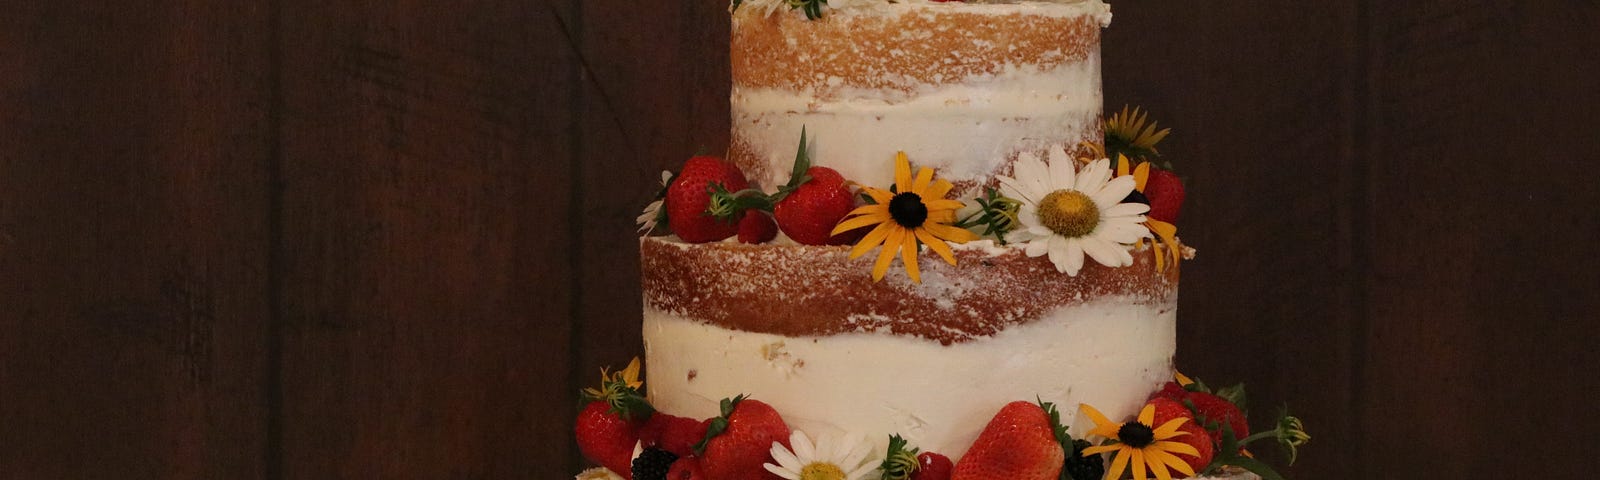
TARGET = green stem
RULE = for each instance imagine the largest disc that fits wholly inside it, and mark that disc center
(1258, 436)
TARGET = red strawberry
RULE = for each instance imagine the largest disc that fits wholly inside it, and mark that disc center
(1171, 391)
(932, 466)
(740, 441)
(672, 433)
(1165, 192)
(686, 468)
(1168, 409)
(1201, 442)
(1210, 410)
(1018, 444)
(757, 227)
(809, 213)
(605, 438)
(689, 200)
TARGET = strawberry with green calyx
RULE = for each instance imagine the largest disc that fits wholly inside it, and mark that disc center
(608, 426)
(1019, 443)
(691, 210)
(900, 461)
(904, 462)
(739, 441)
(813, 202)
(1289, 432)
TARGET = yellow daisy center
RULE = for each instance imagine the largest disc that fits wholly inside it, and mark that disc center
(1069, 213)
(821, 471)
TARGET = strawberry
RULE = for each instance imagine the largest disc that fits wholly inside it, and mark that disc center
(1171, 391)
(686, 468)
(606, 438)
(1201, 442)
(608, 427)
(672, 433)
(932, 466)
(809, 213)
(1165, 192)
(1213, 412)
(757, 227)
(689, 200)
(1019, 443)
(739, 441)
(1168, 409)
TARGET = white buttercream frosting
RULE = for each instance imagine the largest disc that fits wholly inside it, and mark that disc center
(966, 130)
(1110, 353)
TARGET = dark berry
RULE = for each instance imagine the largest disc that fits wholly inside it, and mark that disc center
(1136, 197)
(653, 464)
(1079, 467)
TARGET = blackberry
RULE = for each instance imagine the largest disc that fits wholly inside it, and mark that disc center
(1079, 467)
(652, 464)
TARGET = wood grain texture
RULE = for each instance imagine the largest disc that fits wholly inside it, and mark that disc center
(1483, 299)
(133, 240)
(656, 93)
(428, 265)
(1261, 121)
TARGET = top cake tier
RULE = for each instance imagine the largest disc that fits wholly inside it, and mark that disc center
(963, 88)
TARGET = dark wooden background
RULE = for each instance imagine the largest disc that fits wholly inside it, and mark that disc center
(287, 239)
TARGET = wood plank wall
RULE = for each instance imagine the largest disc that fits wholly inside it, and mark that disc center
(287, 239)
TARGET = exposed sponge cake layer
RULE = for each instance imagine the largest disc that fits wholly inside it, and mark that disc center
(964, 88)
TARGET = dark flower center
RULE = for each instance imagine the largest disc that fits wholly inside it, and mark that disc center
(1136, 435)
(908, 210)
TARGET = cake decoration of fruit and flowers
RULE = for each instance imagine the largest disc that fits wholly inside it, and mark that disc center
(1105, 207)
(1183, 430)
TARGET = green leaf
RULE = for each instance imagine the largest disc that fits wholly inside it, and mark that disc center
(899, 461)
(1255, 466)
(1234, 394)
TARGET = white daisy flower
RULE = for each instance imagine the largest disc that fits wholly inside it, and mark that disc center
(831, 458)
(647, 220)
(1069, 213)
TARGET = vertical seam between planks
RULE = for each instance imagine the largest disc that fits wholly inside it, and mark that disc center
(272, 461)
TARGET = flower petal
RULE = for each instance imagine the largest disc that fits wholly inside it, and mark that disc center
(873, 239)
(802, 448)
(1125, 210)
(942, 204)
(1104, 252)
(891, 245)
(1093, 176)
(1101, 423)
(1037, 247)
(924, 177)
(902, 172)
(862, 221)
(1074, 256)
(881, 196)
(1170, 429)
(1102, 449)
(1151, 458)
(1110, 194)
(908, 255)
(1138, 463)
(1176, 447)
(1119, 463)
(785, 458)
(786, 474)
(1009, 187)
(1176, 464)
(939, 189)
(937, 245)
(1063, 172)
(1058, 255)
(1147, 414)
(950, 233)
